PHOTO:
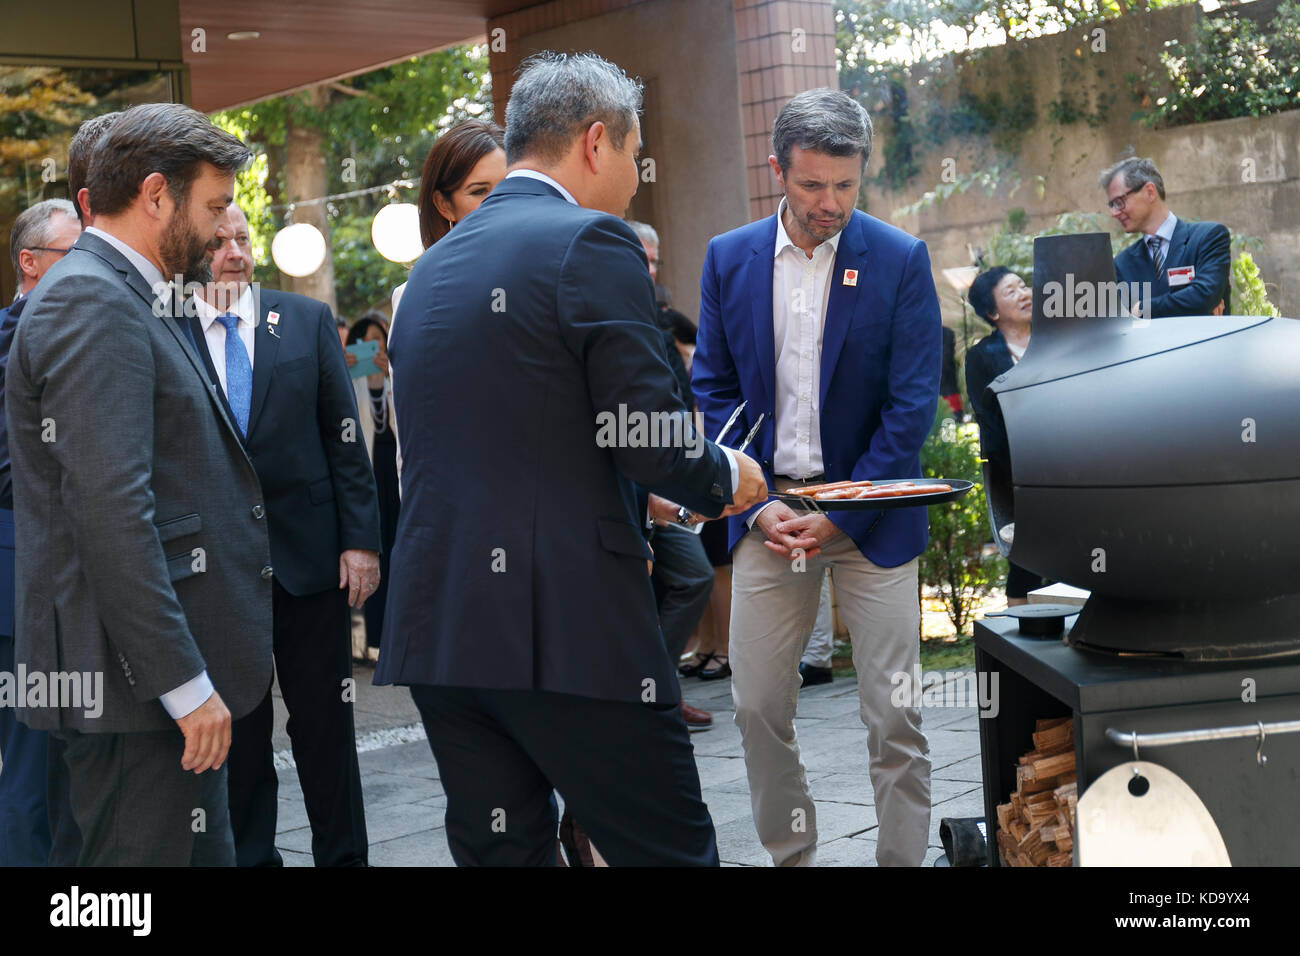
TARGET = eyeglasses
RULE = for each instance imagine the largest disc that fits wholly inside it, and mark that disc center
(1119, 202)
(62, 252)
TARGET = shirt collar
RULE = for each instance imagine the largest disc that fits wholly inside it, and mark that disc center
(542, 177)
(1166, 230)
(147, 269)
(783, 238)
(244, 308)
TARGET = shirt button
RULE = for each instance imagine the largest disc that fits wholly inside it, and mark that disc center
(267, 572)
(258, 511)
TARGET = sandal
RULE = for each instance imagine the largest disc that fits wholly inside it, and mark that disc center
(719, 672)
(693, 669)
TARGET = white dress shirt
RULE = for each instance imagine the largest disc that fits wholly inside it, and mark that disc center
(1166, 236)
(214, 333)
(801, 289)
(191, 695)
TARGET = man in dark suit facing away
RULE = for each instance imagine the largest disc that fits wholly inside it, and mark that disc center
(520, 610)
(276, 361)
(142, 551)
(1187, 264)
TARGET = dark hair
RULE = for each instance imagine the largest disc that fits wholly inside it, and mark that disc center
(824, 121)
(682, 328)
(557, 95)
(167, 138)
(450, 161)
(362, 325)
(89, 133)
(1136, 173)
(981, 291)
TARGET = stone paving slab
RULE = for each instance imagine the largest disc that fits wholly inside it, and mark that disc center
(405, 802)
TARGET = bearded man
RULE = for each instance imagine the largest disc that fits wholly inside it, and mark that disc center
(143, 563)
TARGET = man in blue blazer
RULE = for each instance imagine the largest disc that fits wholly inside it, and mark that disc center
(527, 365)
(1186, 265)
(826, 322)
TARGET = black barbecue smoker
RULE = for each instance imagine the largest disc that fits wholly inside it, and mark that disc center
(1155, 464)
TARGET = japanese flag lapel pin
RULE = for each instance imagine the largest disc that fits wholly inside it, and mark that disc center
(273, 323)
(850, 277)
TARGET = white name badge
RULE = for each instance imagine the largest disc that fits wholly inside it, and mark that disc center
(1181, 275)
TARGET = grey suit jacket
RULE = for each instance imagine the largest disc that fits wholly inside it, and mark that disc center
(140, 533)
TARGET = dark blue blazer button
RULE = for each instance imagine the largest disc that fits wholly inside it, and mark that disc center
(267, 572)
(258, 511)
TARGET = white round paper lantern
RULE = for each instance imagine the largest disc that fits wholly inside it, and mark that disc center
(396, 232)
(298, 250)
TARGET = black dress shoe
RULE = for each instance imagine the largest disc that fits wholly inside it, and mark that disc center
(718, 671)
(812, 676)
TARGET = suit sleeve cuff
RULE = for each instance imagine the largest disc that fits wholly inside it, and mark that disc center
(753, 515)
(187, 698)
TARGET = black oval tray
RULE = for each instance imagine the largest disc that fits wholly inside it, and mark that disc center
(959, 488)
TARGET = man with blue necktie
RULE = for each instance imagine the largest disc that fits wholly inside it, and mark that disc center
(1185, 265)
(276, 359)
(825, 321)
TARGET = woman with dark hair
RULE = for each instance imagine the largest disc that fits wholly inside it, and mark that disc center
(374, 395)
(464, 165)
(1002, 299)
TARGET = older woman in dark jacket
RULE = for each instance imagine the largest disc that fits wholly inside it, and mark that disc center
(1001, 298)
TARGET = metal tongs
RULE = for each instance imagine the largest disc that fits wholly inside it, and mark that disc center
(683, 515)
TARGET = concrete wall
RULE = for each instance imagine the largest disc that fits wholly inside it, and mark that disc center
(1205, 167)
(684, 50)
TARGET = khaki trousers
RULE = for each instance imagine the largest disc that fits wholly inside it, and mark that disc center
(773, 609)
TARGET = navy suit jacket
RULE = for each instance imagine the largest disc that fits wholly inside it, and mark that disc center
(321, 497)
(1205, 245)
(519, 561)
(880, 363)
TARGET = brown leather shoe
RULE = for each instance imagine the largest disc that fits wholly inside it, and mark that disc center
(695, 718)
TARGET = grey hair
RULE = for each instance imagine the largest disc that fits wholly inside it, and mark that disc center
(825, 121)
(1137, 172)
(557, 95)
(644, 231)
(32, 229)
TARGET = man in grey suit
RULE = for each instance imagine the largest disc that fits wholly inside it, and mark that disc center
(142, 550)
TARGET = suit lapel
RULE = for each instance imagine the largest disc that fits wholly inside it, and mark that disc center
(1177, 246)
(844, 301)
(141, 288)
(759, 282)
(265, 348)
(195, 329)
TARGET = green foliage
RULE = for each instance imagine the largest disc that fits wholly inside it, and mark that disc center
(1249, 297)
(377, 128)
(1232, 67)
(955, 563)
(886, 48)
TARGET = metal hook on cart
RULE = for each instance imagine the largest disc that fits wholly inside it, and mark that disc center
(1259, 750)
(1136, 772)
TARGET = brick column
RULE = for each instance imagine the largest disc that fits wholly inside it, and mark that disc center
(783, 47)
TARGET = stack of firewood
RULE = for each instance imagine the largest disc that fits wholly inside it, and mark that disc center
(1037, 827)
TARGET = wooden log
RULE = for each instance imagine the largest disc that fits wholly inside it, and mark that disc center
(1062, 733)
(1051, 766)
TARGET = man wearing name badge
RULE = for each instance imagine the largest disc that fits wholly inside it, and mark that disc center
(520, 610)
(1186, 265)
(825, 321)
(273, 356)
(141, 550)
(42, 235)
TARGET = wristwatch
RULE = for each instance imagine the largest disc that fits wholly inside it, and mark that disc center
(683, 516)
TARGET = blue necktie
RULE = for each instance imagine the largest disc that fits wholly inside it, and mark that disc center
(239, 372)
(1157, 253)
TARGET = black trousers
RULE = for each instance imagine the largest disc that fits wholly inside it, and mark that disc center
(134, 804)
(683, 581)
(313, 659)
(625, 770)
